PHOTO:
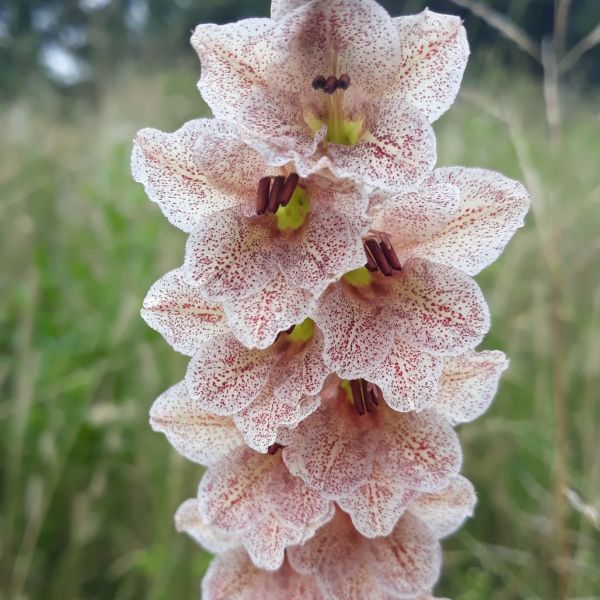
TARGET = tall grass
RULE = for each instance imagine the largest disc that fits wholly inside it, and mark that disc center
(88, 491)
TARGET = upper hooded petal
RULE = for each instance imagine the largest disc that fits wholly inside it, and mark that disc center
(230, 256)
(445, 511)
(434, 52)
(492, 207)
(178, 312)
(438, 309)
(188, 520)
(468, 385)
(198, 435)
(224, 376)
(167, 165)
(396, 150)
(357, 336)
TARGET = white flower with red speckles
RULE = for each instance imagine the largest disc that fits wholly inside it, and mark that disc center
(326, 301)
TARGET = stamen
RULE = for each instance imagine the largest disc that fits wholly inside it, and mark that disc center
(330, 85)
(357, 397)
(371, 264)
(379, 257)
(390, 254)
(274, 448)
(375, 393)
(343, 82)
(318, 82)
(370, 406)
(262, 197)
(288, 189)
(275, 193)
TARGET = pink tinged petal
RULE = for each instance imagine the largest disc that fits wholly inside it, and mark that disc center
(330, 243)
(267, 540)
(279, 8)
(233, 494)
(445, 511)
(298, 506)
(397, 149)
(225, 377)
(302, 374)
(408, 378)
(199, 436)
(416, 216)
(434, 56)
(331, 453)
(261, 420)
(166, 164)
(230, 256)
(438, 309)
(188, 520)
(232, 576)
(176, 310)
(421, 450)
(257, 319)
(234, 63)
(492, 208)
(468, 385)
(357, 336)
(359, 33)
(376, 506)
(407, 562)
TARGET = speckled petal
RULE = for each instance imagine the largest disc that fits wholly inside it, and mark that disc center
(396, 150)
(445, 511)
(408, 378)
(469, 384)
(376, 506)
(330, 453)
(260, 421)
(224, 376)
(178, 312)
(232, 496)
(407, 562)
(434, 56)
(257, 319)
(230, 256)
(232, 576)
(197, 435)
(279, 8)
(235, 61)
(420, 451)
(167, 166)
(188, 520)
(438, 309)
(357, 335)
(492, 208)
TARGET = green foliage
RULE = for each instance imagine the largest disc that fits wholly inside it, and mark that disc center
(88, 490)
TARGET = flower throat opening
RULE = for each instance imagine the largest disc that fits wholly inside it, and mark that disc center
(284, 198)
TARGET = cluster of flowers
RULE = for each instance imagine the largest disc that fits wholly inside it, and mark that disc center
(326, 300)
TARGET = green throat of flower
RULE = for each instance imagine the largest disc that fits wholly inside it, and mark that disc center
(340, 130)
(303, 332)
(292, 216)
(359, 277)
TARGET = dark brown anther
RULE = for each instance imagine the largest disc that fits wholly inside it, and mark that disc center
(262, 197)
(357, 397)
(343, 83)
(390, 254)
(288, 189)
(275, 193)
(369, 404)
(330, 85)
(371, 264)
(274, 448)
(374, 393)
(318, 83)
(378, 256)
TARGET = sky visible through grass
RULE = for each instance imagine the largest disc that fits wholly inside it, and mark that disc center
(88, 490)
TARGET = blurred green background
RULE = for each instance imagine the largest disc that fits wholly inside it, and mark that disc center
(87, 490)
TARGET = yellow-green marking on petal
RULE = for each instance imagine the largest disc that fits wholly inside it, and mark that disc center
(293, 215)
(359, 277)
(302, 332)
(344, 132)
